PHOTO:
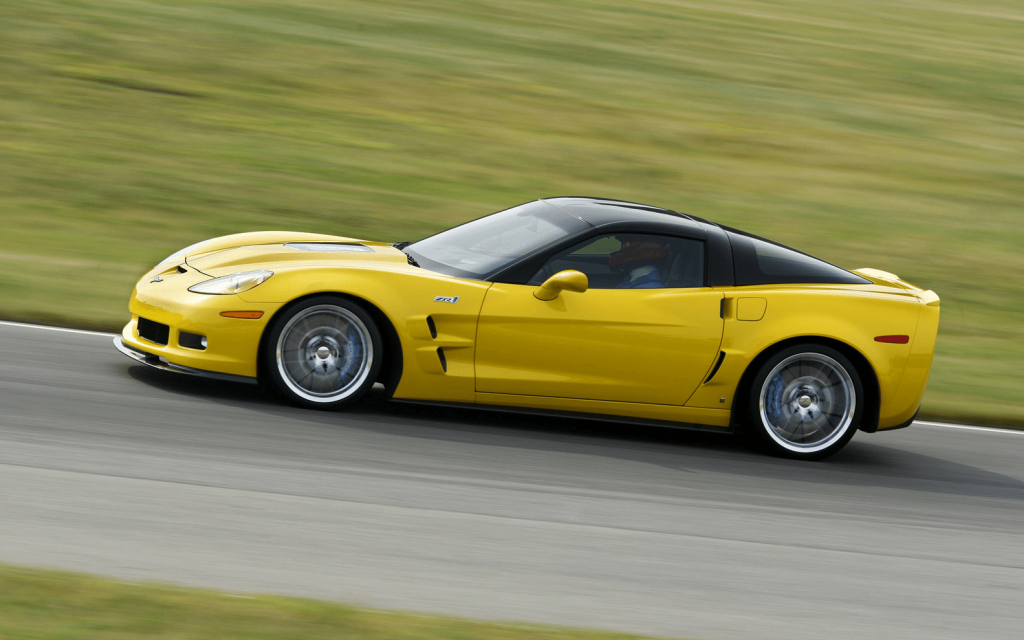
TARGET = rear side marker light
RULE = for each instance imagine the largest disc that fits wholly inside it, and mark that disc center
(245, 315)
(893, 339)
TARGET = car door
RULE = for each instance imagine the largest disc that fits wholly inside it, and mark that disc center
(646, 330)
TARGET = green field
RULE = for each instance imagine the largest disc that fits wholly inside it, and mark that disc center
(51, 605)
(871, 133)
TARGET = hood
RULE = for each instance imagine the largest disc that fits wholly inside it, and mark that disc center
(255, 237)
(245, 251)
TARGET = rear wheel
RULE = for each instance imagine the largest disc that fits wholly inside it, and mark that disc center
(323, 353)
(806, 402)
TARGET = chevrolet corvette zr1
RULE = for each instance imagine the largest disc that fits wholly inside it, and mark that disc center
(578, 305)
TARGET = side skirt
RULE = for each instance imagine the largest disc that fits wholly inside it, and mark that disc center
(572, 415)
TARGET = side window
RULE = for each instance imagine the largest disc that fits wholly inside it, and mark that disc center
(760, 262)
(631, 261)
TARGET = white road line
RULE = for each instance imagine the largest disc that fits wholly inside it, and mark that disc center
(948, 425)
(40, 326)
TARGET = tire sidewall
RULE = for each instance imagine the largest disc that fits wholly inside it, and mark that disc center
(273, 375)
(761, 431)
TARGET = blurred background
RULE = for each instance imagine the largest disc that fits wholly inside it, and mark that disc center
(882, 134)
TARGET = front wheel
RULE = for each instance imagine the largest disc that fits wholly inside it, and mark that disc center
(806, 402)
(323, 353)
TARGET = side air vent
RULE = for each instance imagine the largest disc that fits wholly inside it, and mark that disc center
(444, 362)
(432, 327)
(718, 365)
(154, 331)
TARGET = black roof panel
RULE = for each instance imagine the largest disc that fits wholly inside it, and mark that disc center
(601, 211)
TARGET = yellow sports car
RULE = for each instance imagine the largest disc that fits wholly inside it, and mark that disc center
(562, 305)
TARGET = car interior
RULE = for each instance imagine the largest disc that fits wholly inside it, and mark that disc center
(682, 266)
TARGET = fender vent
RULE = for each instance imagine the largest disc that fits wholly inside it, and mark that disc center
(432, 327)
(718, 365)
(444, 362)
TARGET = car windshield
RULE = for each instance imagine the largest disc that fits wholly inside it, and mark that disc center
(487, 245)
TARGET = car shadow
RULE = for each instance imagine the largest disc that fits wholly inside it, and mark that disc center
(453, 423)
(867, 461)
(220, 391)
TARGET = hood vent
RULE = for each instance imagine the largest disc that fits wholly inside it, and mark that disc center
(336, 247)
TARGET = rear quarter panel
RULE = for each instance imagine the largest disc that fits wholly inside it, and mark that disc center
(853, 316)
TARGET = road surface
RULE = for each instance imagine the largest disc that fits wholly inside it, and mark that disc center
(112, 468)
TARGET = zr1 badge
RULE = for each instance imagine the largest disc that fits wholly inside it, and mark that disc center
(451, 299)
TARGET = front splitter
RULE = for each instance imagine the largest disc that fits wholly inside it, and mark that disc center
(159, 362)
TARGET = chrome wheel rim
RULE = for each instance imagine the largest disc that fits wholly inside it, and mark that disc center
(807, 402)
(324, 353)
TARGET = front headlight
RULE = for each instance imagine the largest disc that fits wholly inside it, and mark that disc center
(235, 283)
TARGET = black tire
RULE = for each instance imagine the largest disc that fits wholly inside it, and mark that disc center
(323, 353)
(805, 402)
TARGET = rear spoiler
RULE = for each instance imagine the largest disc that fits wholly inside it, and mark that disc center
(929, 297)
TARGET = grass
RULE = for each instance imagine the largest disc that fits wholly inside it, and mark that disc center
(870, 133)
(51, 605)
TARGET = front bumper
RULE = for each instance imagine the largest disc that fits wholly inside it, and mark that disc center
(159, 362)
(231, 346)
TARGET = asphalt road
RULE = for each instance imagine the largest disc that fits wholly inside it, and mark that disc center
(113, 468)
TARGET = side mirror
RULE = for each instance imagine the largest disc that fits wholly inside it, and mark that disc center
(562, 281)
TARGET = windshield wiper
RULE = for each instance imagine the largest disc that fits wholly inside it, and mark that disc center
(408, 256)
(401, 246)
